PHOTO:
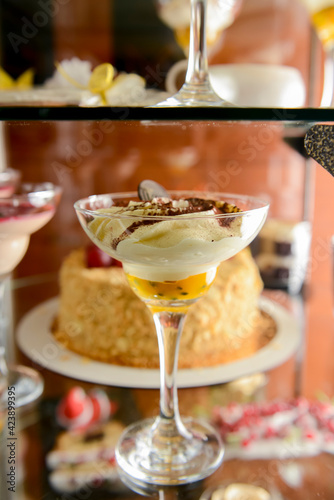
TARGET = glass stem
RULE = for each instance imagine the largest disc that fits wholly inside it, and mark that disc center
(197, 89)
(197, 72)
(3, 328)
(328, 88)
(169, 326)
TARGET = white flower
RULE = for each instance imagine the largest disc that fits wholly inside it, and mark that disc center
(77, 70)
(127, 89)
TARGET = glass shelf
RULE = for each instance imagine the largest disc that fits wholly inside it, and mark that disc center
(72, 113)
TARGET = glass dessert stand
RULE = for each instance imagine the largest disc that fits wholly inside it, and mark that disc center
(20, 215)
(170, 250)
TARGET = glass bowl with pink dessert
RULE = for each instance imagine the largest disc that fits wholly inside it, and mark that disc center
(22, 213)
(170, 247)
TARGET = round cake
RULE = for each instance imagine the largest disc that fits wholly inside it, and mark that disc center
(101, 317)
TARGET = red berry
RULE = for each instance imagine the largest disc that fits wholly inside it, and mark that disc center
(269, 432)
(95, 257)
(309, 435)
(113, 407)
(247, 441)
(74, 402)
(97, 481)
(116, 263)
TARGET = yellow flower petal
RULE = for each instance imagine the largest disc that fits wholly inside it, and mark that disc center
(6, 81)
(25, 80)
(101, 78)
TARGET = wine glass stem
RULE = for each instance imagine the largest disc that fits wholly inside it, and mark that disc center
(3, 328)
(169, 326)
(329, 75)
(197, 72)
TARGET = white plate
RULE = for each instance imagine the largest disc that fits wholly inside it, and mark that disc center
(35, 339)
(258, 85)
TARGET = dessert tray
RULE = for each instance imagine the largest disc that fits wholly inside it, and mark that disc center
(35, 339)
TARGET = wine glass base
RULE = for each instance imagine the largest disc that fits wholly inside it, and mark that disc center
(181, 460)
(189, 490)
(190, 95)
(27, 385)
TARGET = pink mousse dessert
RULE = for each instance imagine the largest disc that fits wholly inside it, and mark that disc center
(20, 216)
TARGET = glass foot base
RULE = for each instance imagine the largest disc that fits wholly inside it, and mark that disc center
(28, 385)
(191, 95)
(176, 460)
(188, 490)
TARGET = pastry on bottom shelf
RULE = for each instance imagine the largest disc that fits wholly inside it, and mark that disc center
(84, 454)
(280, 429)
(84, 457)
(282, 253)
(283, 446)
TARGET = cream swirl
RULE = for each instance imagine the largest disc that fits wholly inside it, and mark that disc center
(169, 239)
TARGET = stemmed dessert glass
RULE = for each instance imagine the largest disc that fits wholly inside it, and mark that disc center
(170, 259)
(197, 89)
(21, 214)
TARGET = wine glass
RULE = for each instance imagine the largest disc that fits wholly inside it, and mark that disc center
(21, 214)
(197, 89)
(170, 257)
(322, 16)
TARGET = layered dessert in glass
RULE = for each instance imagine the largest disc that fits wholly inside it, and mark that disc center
(170, 249)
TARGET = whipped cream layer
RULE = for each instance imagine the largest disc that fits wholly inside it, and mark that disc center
(192, 236)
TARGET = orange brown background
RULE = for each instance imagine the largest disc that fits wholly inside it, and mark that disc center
(90, 157)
